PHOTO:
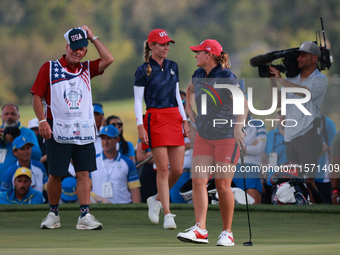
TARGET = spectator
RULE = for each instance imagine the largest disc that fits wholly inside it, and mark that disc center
(254, 145)
(148, 173)
(335, 167)
(22, 193)
(322, 174)
(65, 85)
(99, 119)
(34, 126)
(22, 148)
(175, 196)
(69, 193)
(116, 178)
(10, 121)
(274, 155)
(303, 141)
(125, 147)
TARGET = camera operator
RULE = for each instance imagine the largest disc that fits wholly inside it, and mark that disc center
(10, 129)
(304, 142)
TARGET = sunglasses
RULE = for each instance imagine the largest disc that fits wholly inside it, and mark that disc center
(183, 101)
(117, 125)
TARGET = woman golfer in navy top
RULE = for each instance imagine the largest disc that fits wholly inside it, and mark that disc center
(216, 146)
(164, 123)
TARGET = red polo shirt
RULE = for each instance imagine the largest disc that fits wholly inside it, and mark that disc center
(41, 86)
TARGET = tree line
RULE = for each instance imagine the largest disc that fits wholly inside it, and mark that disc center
(32, 33)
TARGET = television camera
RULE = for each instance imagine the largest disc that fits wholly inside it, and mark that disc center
(289, 64)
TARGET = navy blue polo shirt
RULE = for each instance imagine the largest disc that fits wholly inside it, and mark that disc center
(219, 102)
(160, 85)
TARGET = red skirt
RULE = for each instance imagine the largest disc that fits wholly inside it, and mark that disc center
(164, 127)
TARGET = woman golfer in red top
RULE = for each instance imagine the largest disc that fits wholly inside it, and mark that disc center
(216, 146)
(164, 123)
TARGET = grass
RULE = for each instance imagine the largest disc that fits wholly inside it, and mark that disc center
(127, 230)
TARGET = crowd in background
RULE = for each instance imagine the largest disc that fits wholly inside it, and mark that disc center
(24, 153)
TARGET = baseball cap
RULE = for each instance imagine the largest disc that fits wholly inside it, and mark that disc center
(209, 45)
(19, 142)
(110, 131)
(68, 189)
(23, 171)
(311, 48)
(159, 36)
(98, 108)
(76, 38)
(33, 123)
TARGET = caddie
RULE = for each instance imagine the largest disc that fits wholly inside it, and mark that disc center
(69, 126)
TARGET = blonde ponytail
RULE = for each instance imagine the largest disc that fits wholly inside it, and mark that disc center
(147, 57)
(223, 59)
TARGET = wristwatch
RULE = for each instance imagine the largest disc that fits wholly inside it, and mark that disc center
(94, 38)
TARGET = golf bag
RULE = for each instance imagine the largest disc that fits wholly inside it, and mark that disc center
(288, 187)
(186, 193)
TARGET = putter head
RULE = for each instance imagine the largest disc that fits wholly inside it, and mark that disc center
(249, 243)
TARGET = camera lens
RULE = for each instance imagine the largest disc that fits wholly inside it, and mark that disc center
(13, 131)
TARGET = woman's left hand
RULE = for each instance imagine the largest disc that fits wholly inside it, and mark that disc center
(239, 136)
(186, 128)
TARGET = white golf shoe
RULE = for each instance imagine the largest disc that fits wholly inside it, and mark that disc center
(51, 221)
(169, 221)
(194, 235)
(89, 222)
(154, 209)
(226, 239)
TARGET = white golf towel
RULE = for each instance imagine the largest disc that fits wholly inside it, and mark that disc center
(240, 196)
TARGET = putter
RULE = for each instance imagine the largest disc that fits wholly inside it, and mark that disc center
(249, 243)
(144, 161)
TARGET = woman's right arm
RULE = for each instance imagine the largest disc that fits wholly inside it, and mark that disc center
(191, 102)
(142, 134)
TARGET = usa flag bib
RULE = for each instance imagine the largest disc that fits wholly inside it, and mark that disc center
(71, 104)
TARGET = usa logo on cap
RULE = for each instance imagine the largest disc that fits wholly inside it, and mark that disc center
(76, 38)
(159, 36)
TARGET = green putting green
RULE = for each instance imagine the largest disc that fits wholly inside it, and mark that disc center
(275, 229)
